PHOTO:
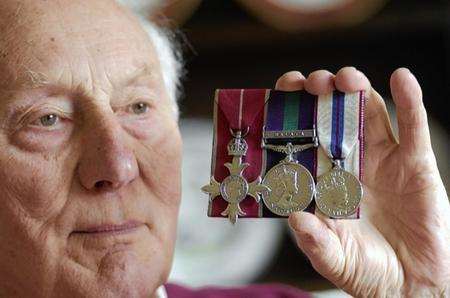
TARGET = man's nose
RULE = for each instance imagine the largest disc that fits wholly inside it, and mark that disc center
(107, 162)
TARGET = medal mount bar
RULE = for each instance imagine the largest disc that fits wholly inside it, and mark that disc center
(290, 149)
(254, 181)
(289, 134)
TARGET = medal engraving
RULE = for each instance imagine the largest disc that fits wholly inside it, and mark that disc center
(292, 134)
(291, 188)
(291, 184)
(234, 188)
(338, 193)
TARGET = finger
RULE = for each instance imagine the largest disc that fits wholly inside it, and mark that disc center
(349, 79)
(290, 81)
(411, 115)
(320, 82)
(377, 127)
(319, 243)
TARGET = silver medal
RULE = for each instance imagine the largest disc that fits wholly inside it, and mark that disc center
(338, 193)
(291, 184)
(235, 188)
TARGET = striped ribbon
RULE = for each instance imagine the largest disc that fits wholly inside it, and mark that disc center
(238, 109)
(338, 123)
(290, 111)
(241, 106)
(340, 129)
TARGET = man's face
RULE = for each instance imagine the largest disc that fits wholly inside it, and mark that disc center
(90, 153)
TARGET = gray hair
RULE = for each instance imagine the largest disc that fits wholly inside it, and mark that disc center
(170, 59)
(169, 53)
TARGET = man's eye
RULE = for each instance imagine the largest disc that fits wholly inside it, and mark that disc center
(48, 120)
(139, 108)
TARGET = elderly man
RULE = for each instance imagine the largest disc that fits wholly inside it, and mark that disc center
(90, 167)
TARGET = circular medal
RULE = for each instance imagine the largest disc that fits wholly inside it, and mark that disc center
(338, 193)
(234, 188)
(291, 188)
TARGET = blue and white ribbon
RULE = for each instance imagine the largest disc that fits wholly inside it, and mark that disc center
(338, 123)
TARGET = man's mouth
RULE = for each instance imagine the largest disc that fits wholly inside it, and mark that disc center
(110, 229)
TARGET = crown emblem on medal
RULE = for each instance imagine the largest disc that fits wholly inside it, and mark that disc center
(237, 146)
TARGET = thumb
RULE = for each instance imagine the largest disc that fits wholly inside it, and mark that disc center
(411, 115)
(320, 244)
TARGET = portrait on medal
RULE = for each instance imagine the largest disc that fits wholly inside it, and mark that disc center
(226, 149)
(286, 186)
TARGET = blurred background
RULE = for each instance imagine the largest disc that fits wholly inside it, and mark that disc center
(249, 44)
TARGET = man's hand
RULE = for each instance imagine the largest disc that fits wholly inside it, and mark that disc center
(401, 244)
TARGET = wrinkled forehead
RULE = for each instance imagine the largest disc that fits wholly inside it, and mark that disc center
(71, 42)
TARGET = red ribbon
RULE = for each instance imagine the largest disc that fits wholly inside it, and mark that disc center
(241, 106)
(238, 109)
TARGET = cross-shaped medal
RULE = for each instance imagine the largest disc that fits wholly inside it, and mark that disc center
(235, 188)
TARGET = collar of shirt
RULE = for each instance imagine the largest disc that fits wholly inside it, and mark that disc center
(161, 292)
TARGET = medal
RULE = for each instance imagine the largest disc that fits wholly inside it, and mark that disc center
(338, 192)
(291, 185)
(235, 188)
(290, 116)
(241, 113)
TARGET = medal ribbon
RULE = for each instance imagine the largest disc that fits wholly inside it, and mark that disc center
(338, 123)
(340, 126)
(238, 109)
(240, 106)
(290, 111)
